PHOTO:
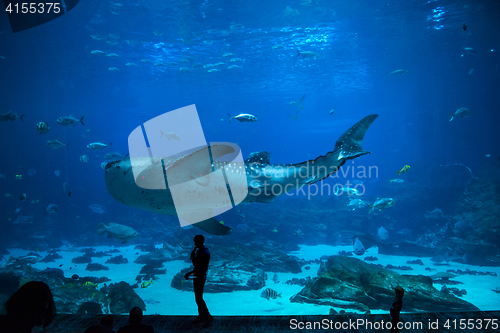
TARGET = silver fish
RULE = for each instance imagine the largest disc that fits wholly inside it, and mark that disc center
(113, 156)
(276, 278)
(51, 209)
(66, 121)
(10, 116)
(97, 146)
(306, 54)
(243, 118)
(56, 144)
(398, 72)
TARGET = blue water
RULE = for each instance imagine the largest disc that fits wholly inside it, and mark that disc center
(49, 71)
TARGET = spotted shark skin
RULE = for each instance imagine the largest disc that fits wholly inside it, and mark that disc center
(261, 176)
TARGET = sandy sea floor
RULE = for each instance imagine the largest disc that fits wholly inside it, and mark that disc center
(160, 298)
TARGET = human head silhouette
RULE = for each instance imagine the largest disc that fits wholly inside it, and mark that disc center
(399, 291)
(199, 240)
(31, 305)
(107, 321)
(135, 315)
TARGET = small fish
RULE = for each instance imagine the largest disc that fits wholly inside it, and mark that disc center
(170, 136)
(470, 50)
(464, 226)
(278, 46)
(269, 293)
(84, 158)
(404, 169)
(97, 146)
(397, 180)
(461, 112)
(56, 144)
(383, 234)
(43, 127)
(358, 247)
(111, 55)
(398, 72)
(213, 70)
(96, 52)
(66, 121)
(89, 284)
(276, 278)
(146, 284)
(434, 214)
(340, 189)
(186, 69)
(113, 69)
(233, 67)
(306, 54)
(51, 209)
(243, 118)
(115, 156)
(464, 27)
(382, 203)
(131, 64)
(57, 173)
(228, 54)
(22, 197)
(332, 111)
(66, 188)
(10, 116)
(356, 204)
(236, 59)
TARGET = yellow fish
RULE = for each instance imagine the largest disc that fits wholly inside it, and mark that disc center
(404, 170)
(90, 284)
(146, 284)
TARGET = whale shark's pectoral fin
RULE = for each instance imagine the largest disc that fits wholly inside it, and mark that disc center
(214, 227)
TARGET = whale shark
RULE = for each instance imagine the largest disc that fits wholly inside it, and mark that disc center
(265, 181)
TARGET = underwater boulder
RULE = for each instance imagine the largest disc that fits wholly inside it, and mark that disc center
(123, 298)
(91, 308)
(96, 267)
(117, 260)
(353, 284)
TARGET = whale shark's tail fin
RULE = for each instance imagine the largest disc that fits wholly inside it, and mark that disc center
(349, 143)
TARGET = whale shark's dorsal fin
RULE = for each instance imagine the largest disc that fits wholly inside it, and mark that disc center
(262, 157)
(349, 143)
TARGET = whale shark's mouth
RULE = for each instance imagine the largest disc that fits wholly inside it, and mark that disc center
(111, 164)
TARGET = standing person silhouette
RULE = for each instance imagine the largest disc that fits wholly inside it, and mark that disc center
(396, 307)
(200, 256)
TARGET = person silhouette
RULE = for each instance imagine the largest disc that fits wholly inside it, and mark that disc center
(31, 305)
(200, 256)
(396, 307)
(134, 323)
(105, 325)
